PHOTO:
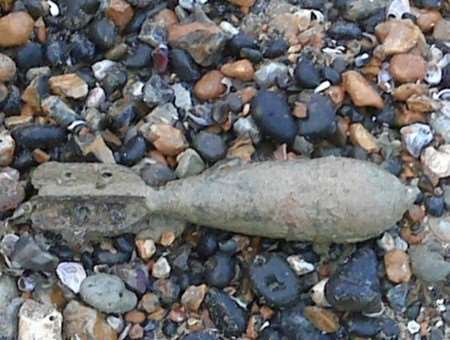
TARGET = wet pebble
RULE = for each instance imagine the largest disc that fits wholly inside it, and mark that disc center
(219, 270)
(321, 121)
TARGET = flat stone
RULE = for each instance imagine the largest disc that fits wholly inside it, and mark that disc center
(39, 322)
(361, 91)
(15, 29)
(209, 86)
(68, 85)
(406, 68)
(363, 138)
(7, 68)
(397, 266)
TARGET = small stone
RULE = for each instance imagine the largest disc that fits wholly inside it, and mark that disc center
(135, 316)
(272, 73)
(182, 97)
(241, 69)
(95, 98)
(416, 137)
(427, 19)
(406, 68)
(30, 55)
(404, 91)
(436, 162)
(272, 115)
(318, 294)
(441, 31)
(189, 164)
(299, 265)
(71, 275)
(321, 120)
(413, 327)
(307, 74)
(149, 303)
(146, 249)
(7, 68)
(29, 255)
(183, 65)
(193, 297)
(7, 148)
(120, 12)
(39, 322)
(386, 242)
(157, 174)
(397, 266)
(363, 138)
(210, 86)
(362, 326)
(101, 68)
(300, 110)
(162, 114)
(157, 91)
(107, 293)
(210, 146)
(273, 279)
(161, 268)
(15, 29)
(343, 30)
(361, 92)
(59, 111)
(68, 85)
(355, 10)
(167, 139)
(167, 238)
(397, 297)
(103, 33)
(322, 319)
(355, 287)
(226, 314)
(81, 322)
(203, 40)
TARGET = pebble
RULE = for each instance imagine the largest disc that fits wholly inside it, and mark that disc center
(220, 269)
(416, 137)
(107, 293)
(241, 69)
(109, 258)
(210, 146)
(145, 248)
(397, 266)
(437, 162)
(397, 297)
(39, 136)
(299, 265)
(168, 290)
(355, 10)
(406, 68)
(149, 303)
(182, 97)
(96, 97)
(363, 326)
(167, 139)
(413, 327)
(71, 275)
(435, 205)
(29, 255)
(343, 30)
(85, 323)
(103, 33)
(30, 55)
(294, 325)
(360, 91)
(136, 332)
(134, 274)
(226, 314)
(355, 287)
(132, 151)
(323, 319)
(39, 322)
(101, 68)
(307, 75)
(183, 65)
(273, 279)
(15, 29)
(189, 164)
(9, 307)
(81, 48)
(161, 268)
(272, 73)
(321, 120)
(210, 86)
(7, 148)
(157, 91)
(193, 297)
(272, 115)
(120, 12)
(441, 30)
(157, 174)
(68, 85)
(7, 68)
(276, 48)
(135, 316)
(363, 138)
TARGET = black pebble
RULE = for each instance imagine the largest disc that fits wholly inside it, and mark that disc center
(276, 48)
(210, 146)
(254, 55)
(87, 261)
(432, 4)
(62, 252)
(445, 81)
(157, 174)
(169, 328)
(343, 30)
(307, 74)
(371, 22)
(240, 41)
(331, 75)
(272, 114)
(219, 270)
(57, 52)
(115, 79)
(207, 245)
(226, 314)
(81, 48)
(124, 243)
(35, 8)
(183, 65)
(109, 258)
(23, 160)
(200, 336)
(132, 151)
(355, 287)
(435, 205)
(31, 55)
(321, 120)
(103, 33)
(135, 24)
(363, 326)
(39, 136)
(13, 103)
(141, 56)
(273, 279)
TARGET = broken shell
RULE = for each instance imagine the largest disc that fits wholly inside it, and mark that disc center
(385, 81)
(435, 54)
(398, 9)
(71, 275)
(434, 74)
(322, 87)
(362, 60)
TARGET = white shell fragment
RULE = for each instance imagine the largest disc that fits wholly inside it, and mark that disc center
(299, 265)
(53, 8)
(39, 322)
(318, 294)
(434, 74)
(416, 137)
(71, 275)
(398, 8)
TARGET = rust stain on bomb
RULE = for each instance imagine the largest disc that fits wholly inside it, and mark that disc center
(323, 200)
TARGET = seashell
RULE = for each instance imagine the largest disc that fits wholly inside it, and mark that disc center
(385, 81)
(398, 9)
(434, 74)
(322, 87)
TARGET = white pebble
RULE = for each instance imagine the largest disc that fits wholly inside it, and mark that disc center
(228, 28)
(71, 274)
(300, 266)
(386, 242)
(161, 268)
(401, 244)
(101, 68)
(413, 327)
(96, 97)
(54, 9)
(318, 294)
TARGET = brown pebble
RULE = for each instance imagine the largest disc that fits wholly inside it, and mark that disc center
(210, 86)
(397, 266)
(363, 138)
(404, 91)
(323, 319)
(241, 69)
(336, 94)
(193, 297)
(135, 316)
(405, 117)
(15, 29)
(149, 303)
(120, 13)
(266, 312)
(361, 92)
(136, 332)
(145, 248)
(166, 18)
(40, 156)
(406, 68)
(167, 139)
(427, 19)
(7, 68)
(441, 31)
(243, 3)
(69, 85)
(300, 110)
(41, 30)
(252, 327)
(167, 238)
(247, 94)
(7, 147)
(3, 92)
(422, 104)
